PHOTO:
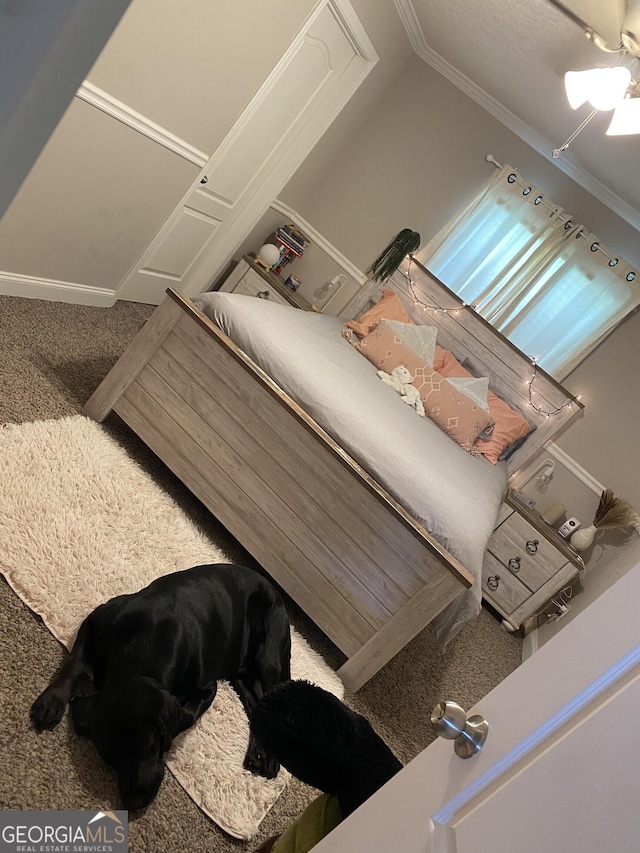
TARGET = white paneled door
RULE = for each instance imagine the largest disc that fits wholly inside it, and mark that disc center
(322, 68)
(559, 771)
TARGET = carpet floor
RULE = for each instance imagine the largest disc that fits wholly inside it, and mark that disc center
(52, 358)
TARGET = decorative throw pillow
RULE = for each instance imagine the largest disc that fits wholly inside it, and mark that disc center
(421, 339)
(389, 307)
(475, 387)
(455, 413)
(509, 425)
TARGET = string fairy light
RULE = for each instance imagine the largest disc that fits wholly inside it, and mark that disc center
(425, 305)
(534, 361)
(539, 409)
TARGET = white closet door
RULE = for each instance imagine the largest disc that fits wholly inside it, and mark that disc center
(321, 69)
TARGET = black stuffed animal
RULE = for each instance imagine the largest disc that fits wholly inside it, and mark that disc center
(326, 745)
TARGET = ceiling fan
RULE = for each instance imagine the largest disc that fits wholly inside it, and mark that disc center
(607, 88)
(629, 30)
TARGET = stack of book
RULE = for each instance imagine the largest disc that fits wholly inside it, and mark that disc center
(292, 245)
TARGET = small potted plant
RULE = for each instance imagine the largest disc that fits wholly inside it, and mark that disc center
(613, 513)
(403, 244)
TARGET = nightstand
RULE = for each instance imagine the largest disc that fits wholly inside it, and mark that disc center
(250, 278)
(526, 564)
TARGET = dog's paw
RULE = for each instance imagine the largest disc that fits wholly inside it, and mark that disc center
(259, 762)
(47, 710)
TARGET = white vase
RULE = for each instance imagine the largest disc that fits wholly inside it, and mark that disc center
(582, 538)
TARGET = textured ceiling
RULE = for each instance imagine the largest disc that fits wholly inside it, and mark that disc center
(511, 56)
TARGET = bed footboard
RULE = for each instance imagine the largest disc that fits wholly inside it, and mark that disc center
(349, 555)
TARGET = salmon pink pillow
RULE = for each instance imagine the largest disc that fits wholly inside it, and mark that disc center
(454, 412)
(509, 424)
(389, 307)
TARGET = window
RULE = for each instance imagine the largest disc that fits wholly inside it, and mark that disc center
(544, 282)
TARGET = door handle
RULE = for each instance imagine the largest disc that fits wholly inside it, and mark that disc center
(450, 722)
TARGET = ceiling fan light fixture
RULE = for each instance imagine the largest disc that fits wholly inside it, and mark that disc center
(604, 88)
(626, 118)
(575, 85)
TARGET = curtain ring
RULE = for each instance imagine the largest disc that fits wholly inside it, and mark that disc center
(595, 247)
(537, 199)
(568, 224)
(613, 262)
(526, 191)
(512, 178)
(631, 276)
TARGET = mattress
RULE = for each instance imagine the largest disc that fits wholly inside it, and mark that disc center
(454, 495)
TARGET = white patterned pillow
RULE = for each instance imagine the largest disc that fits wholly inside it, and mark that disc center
(474, 387)
(420, 339)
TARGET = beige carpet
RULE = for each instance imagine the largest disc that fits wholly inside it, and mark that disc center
(52, 357)
(81, 522)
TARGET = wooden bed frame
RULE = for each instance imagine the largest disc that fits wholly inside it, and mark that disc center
(368, 574)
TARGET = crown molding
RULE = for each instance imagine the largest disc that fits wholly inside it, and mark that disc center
(540, 144)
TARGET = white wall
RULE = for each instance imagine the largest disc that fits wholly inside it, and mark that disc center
(101, 188)
(41, 41)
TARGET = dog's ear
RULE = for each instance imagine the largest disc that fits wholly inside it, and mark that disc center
(168, 719)
(81, 713)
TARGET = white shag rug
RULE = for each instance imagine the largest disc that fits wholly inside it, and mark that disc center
(81, 522)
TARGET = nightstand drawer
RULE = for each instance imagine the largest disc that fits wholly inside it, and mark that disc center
(253, 284)
(500, 587)
(525, 552)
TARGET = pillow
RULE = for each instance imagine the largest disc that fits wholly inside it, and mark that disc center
(389, 307)
(421, 339)
(455, 413)
(508, 452)
(509, 425)
(475, 387)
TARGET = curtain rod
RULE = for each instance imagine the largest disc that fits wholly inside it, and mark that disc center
(491, 159)
(595, 246)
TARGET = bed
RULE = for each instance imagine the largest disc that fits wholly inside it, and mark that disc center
(371, 518)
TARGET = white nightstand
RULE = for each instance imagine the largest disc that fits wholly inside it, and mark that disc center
(526, 563)
(250, 278)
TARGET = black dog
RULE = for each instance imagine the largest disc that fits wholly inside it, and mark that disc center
(154, 659)
(323, 743)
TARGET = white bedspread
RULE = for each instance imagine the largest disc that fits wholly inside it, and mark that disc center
(454, 495)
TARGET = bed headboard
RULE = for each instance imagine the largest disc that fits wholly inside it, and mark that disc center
(469, 336)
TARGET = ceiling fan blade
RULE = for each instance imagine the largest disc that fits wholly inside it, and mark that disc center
(571, 15)
(606, 35)
(630, 33)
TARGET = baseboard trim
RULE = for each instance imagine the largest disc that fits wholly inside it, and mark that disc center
(30, 287)
(530, 644)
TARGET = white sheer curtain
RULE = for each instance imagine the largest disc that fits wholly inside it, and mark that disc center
(541, 280)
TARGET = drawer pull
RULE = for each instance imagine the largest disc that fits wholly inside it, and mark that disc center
(532, 546)
(263, 294)
(514, 564)
(493, 581)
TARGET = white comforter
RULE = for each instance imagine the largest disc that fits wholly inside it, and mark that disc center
(454, 495)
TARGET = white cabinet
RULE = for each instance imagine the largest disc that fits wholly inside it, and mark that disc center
(526, 563)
